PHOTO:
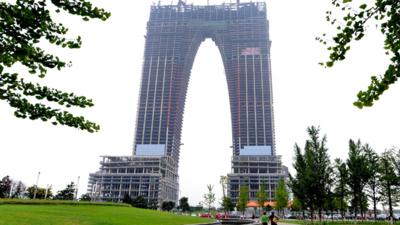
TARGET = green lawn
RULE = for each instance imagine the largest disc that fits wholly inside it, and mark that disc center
(337, 222)
(11, 214)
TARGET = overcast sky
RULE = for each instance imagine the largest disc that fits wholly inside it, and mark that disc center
(108, 69)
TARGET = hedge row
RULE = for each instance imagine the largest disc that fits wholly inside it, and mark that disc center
(58, 202)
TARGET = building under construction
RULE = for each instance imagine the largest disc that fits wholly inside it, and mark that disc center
(153, 177)
(174, 34)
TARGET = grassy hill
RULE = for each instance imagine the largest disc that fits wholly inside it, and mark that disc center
(63, 214)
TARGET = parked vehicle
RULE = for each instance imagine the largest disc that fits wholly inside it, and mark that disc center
(205, 215)
(381, 216)
(396, 216)
(221, 216)
(292, 217)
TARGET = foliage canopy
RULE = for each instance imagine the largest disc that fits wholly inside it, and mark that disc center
(282, 195)
(243, 198)
(25, 26)
(209, 197)
(312, 182)
(384, 14)
(184, 204)
(68, 193)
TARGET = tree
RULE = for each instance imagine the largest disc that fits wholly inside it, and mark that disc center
(352, 26)
(296, 205)
(167, 206)
(25, 26)
(298, 183)
(66, 194)
(331, 203)
(372, 159)
(396, 160)
(312, 183)
(388, 181)
(127, 199)
(19, 190)
(227, 204)
(310, 180)
(153, 204)
(40, 192)
(243, 198)
(357, 174)
(341, 191)
(5, 187)
(184, 204)
(364, 204)
(209, 197)
(319, 167)
(139, 202)
(316, 170)
(85, 198)
(223, 180)
(281, 196)
(261, 196)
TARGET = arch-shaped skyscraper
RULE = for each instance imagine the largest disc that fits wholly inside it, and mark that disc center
(174, 34)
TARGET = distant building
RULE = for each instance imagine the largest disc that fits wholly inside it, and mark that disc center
(174, 34)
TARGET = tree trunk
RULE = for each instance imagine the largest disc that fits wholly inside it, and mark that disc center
(312, 216)
(355, 212)
(390, 202)
(320, 215)
(374, 200)
(361, 209)
(342, 213)
(355, 207)
(342, 209)
(361, 205)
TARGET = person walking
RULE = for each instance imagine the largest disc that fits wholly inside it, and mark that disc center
(264, 219)
(273, 219)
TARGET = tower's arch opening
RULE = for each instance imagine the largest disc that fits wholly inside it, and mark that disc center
(206, 127)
